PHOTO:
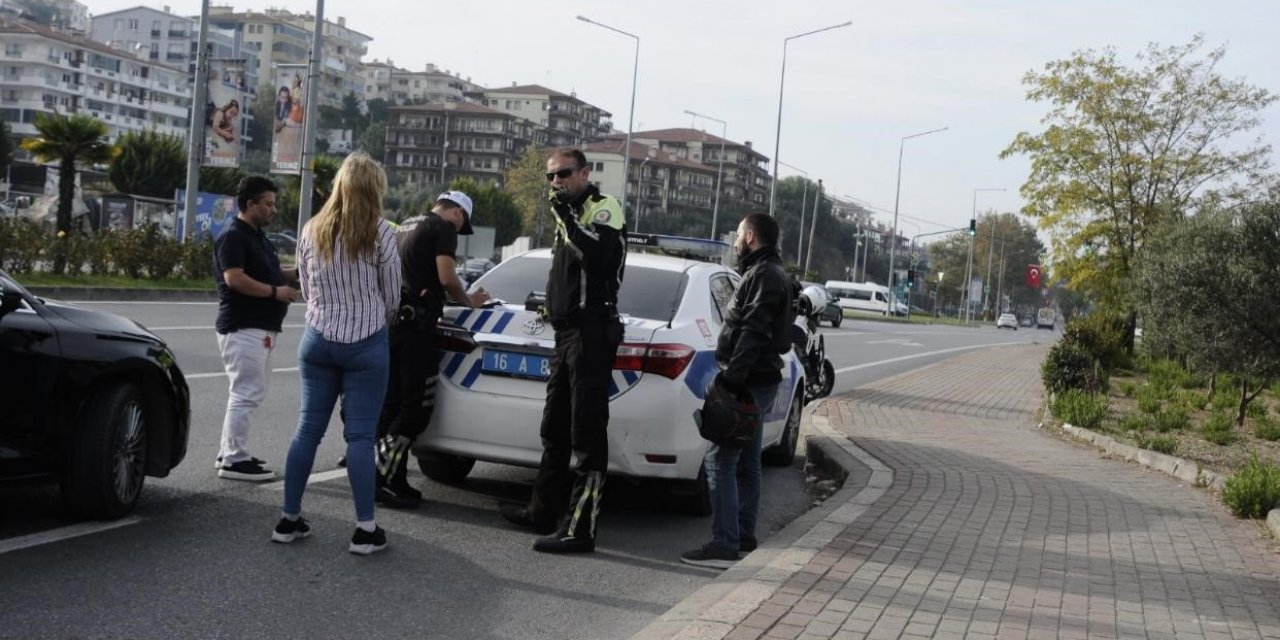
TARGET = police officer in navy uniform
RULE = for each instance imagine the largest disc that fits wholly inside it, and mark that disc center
(588, 260)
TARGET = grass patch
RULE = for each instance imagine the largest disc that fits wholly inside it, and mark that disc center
(1160, 444)
(1080, 408)
(1172, 419)
(1267, 429)
(1192, 400)
(1254, 490)
(1217, 429)
(1135, 422)
(1256, 409)
(125, 282)
(1167, 375)
(1128, 389)
(1149, 400)
(1223, 400)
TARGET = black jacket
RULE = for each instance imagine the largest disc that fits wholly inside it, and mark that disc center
(756, 329)
(588, 258)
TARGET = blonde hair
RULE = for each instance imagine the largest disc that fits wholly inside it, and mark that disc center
(352, 211)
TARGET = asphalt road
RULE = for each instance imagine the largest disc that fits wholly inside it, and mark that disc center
(194, 560)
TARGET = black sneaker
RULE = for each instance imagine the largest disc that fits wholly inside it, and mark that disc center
(366, 542)
(709, 555)
(566, 544)
(396, 498)
(342, 462)
(246, 470)
(289, 530)
(747, 545)
(217, 462)
(518, 515)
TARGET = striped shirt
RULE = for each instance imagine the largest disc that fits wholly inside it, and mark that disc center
(348, 301)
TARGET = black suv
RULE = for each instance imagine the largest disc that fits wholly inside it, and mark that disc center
(90, 399)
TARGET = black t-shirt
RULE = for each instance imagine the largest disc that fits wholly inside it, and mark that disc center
(241, 246)
(422, 239)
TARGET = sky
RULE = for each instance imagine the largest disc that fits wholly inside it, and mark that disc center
(850, 95)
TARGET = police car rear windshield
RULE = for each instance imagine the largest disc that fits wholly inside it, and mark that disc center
(646, 293)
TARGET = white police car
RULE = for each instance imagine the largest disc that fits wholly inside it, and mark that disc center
(495, 362)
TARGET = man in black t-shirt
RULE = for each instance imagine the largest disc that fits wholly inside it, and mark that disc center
(253, 298)
(428, 244)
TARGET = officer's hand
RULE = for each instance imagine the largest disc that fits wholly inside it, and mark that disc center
(479, 297)
(559, 199)
(286, 294)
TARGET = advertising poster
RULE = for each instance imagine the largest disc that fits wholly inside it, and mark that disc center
(222, 121)
(286, 137)
(214, 212)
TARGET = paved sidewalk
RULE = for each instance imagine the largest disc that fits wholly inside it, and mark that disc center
(975, 524)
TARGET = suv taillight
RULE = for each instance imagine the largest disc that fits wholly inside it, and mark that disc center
(455, 339)
(666, 360)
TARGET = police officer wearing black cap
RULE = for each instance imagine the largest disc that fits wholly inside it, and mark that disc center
(587, 265)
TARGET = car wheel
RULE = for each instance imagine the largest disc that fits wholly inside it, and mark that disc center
(783, 453)
(107, 457)
(444, 467)
(693, 497)
(838, 320)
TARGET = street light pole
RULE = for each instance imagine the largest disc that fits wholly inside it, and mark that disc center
(813, 226)
(986, 280)
(195, 138)
(724, 131)
(967, 294)
(893, 239)
(640, 188)
(309, 121)
(782, 82)
(804, 200)
(626, 156)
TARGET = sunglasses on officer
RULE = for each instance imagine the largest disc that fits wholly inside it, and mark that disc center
(562, 174)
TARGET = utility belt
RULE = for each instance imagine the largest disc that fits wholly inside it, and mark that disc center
(424, 311)
(604, 315)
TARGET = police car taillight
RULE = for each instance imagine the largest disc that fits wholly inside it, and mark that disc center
(666, 360)
(455, 339)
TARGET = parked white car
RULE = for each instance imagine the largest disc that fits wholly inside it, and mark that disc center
(495, 362)
(864, 296)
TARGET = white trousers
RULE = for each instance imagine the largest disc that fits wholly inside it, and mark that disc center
(246, 355)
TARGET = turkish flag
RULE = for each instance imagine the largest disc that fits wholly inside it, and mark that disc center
(1033, 276)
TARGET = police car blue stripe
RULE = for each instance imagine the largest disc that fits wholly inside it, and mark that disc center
(472, 375)
(503, 322)
(702, 369)
(462, 318)
(613, 389)
(455, 361)
(631, 377)
(481, 319)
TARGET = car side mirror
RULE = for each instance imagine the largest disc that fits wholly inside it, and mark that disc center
(11, 301)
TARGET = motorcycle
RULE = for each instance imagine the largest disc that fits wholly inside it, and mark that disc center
(819, 374)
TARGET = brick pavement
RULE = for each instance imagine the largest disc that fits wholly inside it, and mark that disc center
(989, 528)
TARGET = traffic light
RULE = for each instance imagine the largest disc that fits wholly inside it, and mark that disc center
(973, 227)
(911, 278)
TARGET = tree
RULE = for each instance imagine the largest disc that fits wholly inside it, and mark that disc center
(6, 146)
(221, 180)
(1127, 149)
(1206, 289)
(353, 117)
(492, 207)
(374, 142)
(263, 109)
(68, 140)
(526, 183)
(379, 111)
(149, 164)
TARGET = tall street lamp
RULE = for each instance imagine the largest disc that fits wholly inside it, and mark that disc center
(804, 199)
(777, 135)
(626, 156)
(640, 188)
(724, 131)
(968, 273)
(893, 239)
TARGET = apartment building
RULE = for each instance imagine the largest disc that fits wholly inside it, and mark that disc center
(283, 37)
(376, 77)
(162, 36)
(746, 179)
(563, 120)
(431, 144)
(67, 16)
(661, 183)
(46, 71)
(432, 84)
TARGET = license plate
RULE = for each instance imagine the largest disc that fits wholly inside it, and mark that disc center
(517, 365)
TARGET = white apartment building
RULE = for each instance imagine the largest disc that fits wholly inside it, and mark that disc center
(162, 36)
(44, 71)
(430, 85)
(68, 15)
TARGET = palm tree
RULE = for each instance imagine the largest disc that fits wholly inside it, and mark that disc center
(67, 140)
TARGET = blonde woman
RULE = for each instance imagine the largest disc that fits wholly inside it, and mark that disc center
(350, 272)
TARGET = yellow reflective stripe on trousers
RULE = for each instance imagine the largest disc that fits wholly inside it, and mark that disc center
(591, 491)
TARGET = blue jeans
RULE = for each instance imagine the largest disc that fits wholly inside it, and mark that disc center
(734, 477)
(358, 371)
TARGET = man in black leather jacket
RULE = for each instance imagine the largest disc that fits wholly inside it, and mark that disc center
(755, 334)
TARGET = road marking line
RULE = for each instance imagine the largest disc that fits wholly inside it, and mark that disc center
(63, 533)
(210, 328)
(924, 355)
(138, 302)
(843, 334)
(315, 477)
(223, 374)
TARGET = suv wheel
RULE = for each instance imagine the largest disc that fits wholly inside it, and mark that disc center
(445, 468)
(106, 459)
(782, 454)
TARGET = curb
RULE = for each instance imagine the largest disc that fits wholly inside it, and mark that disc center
(1180, 468)
(126, 294)
(1273, 522)
(712, 612)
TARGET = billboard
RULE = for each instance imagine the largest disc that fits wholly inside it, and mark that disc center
(214, 212)
(222, 113)
(286, 139)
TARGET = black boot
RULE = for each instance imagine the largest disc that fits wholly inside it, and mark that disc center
(393, 488)
(577, 532)
(519, 515)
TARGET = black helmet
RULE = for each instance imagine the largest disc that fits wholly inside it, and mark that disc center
(727, 418)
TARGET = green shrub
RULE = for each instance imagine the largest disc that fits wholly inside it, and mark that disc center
(1160, 444)
(1254, 490)
(165, 255)
(1068, 366)
(1266, 429)
(1149, 400)
(197, 259)
(1102, 336)
(1128, 389)
(1192, 400)
(1080, 408)
(1217, 429)
(23, 244)
(1134, 422)
(1172, 419)
(1256, 409)
(1224, 399)
(129, 252)
(1167, 375)
(98, 253)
